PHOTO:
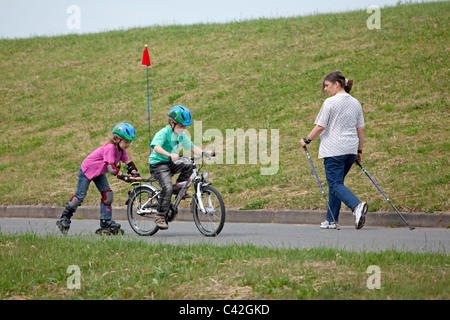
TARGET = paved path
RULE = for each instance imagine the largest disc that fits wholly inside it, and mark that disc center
(311, 217)
(263, 234)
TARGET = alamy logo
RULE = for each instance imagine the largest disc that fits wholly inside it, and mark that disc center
(240, 146)
(374, 280)
(74, 280)
(73, 22)
(374, 21)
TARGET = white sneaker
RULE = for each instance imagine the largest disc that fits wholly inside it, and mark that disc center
(328, 225)
(360, 214)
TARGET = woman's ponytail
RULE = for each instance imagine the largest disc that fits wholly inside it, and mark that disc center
(337, 76)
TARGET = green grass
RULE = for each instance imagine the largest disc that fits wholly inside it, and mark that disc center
(61, 97)
(35, 267)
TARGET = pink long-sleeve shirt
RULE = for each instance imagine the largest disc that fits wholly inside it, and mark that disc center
(96, 163)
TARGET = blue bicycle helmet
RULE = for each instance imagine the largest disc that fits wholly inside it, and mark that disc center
(181, 115)
(124, 131)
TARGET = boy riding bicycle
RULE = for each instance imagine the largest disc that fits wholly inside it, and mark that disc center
(166, 145)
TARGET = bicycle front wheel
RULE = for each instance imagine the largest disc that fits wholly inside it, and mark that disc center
(211, 222)
(139, 205)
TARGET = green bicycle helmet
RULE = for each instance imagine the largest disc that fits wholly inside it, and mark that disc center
(124, 131)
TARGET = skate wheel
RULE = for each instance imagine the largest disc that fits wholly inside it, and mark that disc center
(64, 230)
(100, 231)
(106, 231)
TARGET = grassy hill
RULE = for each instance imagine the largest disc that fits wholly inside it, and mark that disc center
(61, 97)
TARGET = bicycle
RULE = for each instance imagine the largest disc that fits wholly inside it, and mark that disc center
(207, 205)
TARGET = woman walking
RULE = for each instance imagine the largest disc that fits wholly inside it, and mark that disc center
(340, 125)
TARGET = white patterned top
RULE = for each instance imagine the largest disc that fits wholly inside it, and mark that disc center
(340, 115)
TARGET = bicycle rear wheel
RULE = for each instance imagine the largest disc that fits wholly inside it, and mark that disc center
(140, 202)
(210, 224)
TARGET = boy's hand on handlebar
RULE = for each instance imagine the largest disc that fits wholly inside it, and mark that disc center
(209, 154)
(174, 157)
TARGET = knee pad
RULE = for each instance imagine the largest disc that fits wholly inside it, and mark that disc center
(74, 203)
(107, 197)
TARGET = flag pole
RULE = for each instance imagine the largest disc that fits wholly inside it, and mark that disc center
(148, 108)
(147, 63)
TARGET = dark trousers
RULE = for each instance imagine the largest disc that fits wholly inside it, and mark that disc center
(163, 172)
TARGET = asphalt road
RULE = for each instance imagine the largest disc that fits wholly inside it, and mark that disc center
(270, 235)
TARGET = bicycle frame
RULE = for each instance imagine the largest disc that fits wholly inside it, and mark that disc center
(185, 185)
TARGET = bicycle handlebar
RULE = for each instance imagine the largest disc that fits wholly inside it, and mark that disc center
(142, 180)
(204, 154)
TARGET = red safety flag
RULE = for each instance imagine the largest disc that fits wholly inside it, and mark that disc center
(146, 58)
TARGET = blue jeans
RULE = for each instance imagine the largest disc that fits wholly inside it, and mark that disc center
(336, 168)
(102, 184)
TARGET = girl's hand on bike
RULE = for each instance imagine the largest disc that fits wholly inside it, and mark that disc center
(128, 178)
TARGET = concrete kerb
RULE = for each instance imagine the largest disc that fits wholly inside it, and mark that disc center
(386, 219)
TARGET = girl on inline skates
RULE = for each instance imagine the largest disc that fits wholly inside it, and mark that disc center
(94, 168)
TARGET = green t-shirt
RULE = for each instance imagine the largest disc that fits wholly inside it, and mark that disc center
(169, 141)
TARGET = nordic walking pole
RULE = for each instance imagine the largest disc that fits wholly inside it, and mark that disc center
(359, 164)
(320, 185)
(146, 62)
